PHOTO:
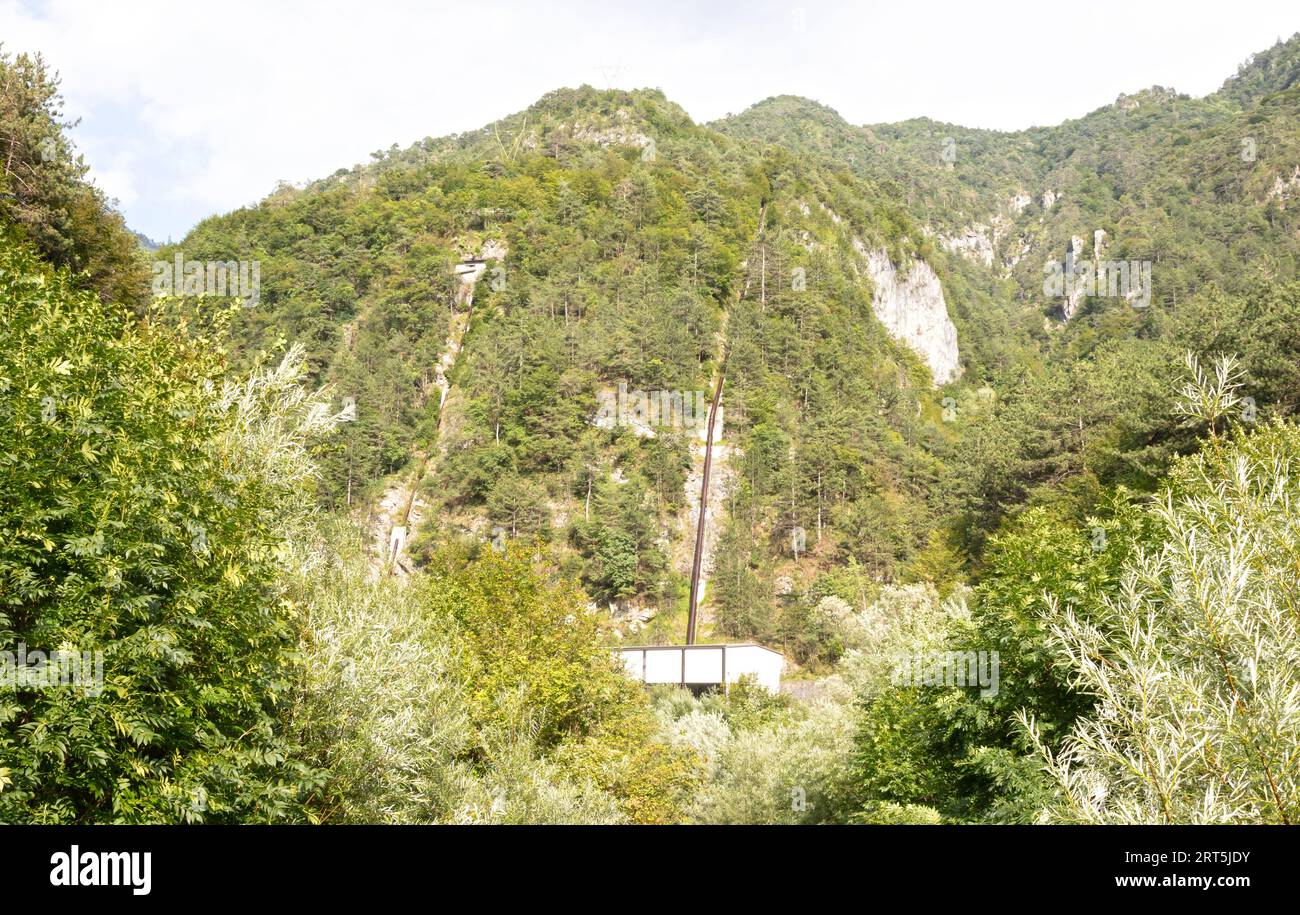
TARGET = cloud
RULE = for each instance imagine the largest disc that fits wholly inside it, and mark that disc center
(190, 110)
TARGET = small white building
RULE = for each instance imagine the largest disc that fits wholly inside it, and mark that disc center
(700, 667)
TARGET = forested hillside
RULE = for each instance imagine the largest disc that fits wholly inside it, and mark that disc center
(1199, 186)
(459, 426)
(623, 247)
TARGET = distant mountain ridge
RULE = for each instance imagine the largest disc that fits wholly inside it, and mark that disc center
(1015, 199)
(145, 241)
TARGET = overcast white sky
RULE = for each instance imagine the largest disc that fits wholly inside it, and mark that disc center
(188, 109)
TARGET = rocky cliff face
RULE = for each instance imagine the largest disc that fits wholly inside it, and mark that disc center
(1283, 191)
(912, 308)
(981, 242)
(1074, 292)
(973, 243)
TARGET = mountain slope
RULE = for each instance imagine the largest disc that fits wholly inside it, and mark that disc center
(619, 254)
(1199, 187)
(614, 235)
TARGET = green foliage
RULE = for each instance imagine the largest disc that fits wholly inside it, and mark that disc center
(144, 513)
(750, 705)
(1046, 554)
(529, 645)
(957, 751)
(1111, 593)
(44, 191)
(764, 761)
(158, 510)
(900, 754)
(382, 707)
(624, 557)
(1193, 657)
(886, 814)
(741, 595)
(521, 631)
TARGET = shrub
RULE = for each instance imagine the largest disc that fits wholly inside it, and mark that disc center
(1194, 659)
(145, 508)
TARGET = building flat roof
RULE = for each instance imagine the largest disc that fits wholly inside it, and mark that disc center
(691, 647)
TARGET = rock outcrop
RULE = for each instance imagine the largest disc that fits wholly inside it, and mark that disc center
(973, 243)
(1074, 291)
(913, 310)
(722, 479)
(980, 242)
(1283, 190)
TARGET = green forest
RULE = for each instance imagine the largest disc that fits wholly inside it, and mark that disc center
(362, 546)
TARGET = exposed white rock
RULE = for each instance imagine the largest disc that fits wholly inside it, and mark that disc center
(1075, 265)
(1074, 291)
(979, 242)
(397, 512)
(972, 243)
(1158, 95)
(1010, 259)
(722, 479)
(1284, 190)
(1049, 199)
(913, 310)
(621, 134)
